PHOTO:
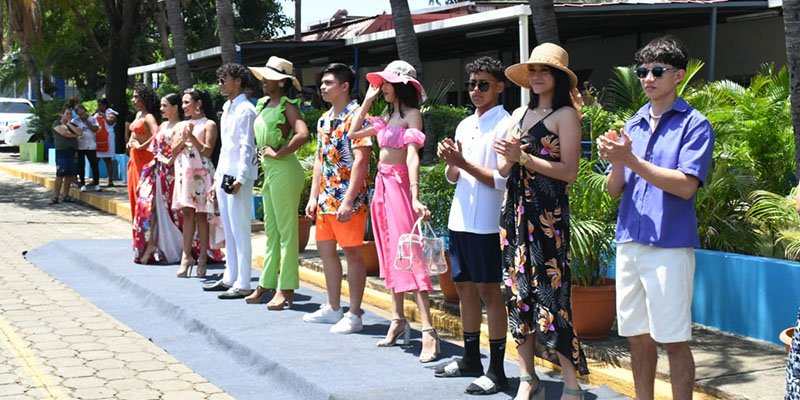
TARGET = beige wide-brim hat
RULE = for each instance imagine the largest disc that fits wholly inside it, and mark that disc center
(277, 69)
(548, 54)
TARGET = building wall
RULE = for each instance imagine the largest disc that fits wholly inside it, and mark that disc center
(742, 47)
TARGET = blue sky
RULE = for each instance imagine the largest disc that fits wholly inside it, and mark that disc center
(317, 10)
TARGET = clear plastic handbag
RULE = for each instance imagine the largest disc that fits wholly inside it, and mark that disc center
(421, 248)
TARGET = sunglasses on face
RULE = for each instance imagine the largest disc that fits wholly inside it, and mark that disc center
(482, 85)
(221, 81)
(658, 71)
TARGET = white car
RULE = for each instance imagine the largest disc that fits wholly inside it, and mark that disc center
(15, 116)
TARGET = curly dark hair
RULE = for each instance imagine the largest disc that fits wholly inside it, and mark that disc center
(235, 71)
(666, 49)
(151, 102)
(489, 65)
(561, 93)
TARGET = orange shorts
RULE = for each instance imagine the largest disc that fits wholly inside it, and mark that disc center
(347, 234)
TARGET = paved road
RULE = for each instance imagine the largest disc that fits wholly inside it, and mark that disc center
(53, 343)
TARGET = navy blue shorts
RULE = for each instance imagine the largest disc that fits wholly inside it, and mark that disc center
(475, 257)
(66, 165)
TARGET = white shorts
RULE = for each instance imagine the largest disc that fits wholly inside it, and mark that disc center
(654, 291)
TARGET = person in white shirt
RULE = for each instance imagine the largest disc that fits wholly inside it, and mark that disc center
(474, 226)
(236, 173)
(87, 148)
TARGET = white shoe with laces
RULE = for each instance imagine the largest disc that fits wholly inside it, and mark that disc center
(325, 315)
(350, 323)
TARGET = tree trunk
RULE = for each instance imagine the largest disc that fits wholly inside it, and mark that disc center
(227, 36)
(298, 27)
(163, 33)
(543, 17)
(122, 19)
(175, 19)
(2, 31)
(33, 73)
(791, 24)
(405, 38)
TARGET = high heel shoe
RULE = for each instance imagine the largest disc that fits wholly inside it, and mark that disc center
(426, 357)
(537, 391)
(257, 295)
(282, 299)
(186, 267)
(201, 266)
(390, 341)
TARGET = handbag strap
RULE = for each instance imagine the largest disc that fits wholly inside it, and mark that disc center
(427, 226)
(417, 227)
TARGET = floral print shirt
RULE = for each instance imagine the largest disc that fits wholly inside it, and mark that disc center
(334, 149)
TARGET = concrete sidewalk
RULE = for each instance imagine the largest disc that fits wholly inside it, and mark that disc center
(728, 366)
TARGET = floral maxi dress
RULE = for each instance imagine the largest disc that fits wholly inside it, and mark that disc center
(534, 235)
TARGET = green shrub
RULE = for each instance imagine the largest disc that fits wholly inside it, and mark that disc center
(43, 116)
(436, 193)
(441, 121)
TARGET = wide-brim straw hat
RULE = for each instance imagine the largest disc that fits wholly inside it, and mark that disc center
(548, 54)
(277, 69)
(397, 71)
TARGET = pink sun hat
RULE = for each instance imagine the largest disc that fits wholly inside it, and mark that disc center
(397, 71)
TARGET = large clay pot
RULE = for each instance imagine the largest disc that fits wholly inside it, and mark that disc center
(446, 283)
(303, 231)
(594, 309)
(786, 337)
(369, 255)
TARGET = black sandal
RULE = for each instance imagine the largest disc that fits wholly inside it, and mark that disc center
(54, 200)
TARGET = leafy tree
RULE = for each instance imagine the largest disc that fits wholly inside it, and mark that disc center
(24, 21)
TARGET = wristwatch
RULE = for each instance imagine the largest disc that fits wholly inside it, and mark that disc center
(523, 158)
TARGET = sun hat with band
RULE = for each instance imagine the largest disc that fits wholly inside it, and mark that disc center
(397, 71)
(548, 54)
(277, 69)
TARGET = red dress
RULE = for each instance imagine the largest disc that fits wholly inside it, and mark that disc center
(138, 159)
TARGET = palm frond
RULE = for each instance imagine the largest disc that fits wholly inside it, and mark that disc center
(692, 69)
(625, 94)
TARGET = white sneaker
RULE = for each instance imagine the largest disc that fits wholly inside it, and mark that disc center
(85, 188)
(325, 315)
(350, 323)
(97, 188)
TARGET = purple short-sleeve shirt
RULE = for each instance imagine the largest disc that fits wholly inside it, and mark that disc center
(684, 141)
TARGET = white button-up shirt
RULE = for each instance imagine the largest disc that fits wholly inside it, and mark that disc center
(476, 207)
(238, 151)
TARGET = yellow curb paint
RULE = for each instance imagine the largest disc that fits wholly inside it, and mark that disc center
(27, 360)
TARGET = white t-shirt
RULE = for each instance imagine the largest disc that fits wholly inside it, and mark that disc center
(476, 207)
(87, 141)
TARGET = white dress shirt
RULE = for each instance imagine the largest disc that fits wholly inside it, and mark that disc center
(87, 140)
(238, 151)
(476, 207)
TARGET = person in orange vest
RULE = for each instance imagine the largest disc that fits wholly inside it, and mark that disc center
(106, 119)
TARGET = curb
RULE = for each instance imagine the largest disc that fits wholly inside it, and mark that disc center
(617, 377)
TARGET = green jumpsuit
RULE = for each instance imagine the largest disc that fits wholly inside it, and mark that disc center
(283, 183)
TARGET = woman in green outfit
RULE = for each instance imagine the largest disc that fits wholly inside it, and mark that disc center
(279, 131)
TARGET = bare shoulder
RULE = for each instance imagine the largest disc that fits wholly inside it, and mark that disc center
(210, 124)
(413, 118)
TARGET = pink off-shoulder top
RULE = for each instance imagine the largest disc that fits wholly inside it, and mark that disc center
(396, 137)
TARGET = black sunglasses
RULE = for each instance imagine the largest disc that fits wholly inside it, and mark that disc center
(658, 71)
(221, 81)
(482, 85)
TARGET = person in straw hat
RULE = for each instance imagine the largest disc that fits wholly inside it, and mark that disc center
(540, 155)
(236, 172)
(279, 131)
(658, 161)
(395, 204)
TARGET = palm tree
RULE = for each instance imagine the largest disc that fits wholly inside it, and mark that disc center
(175, 20)
(298, 28)
(544, 21)
(24, 20)
(227, 36)
(404, 36)
(791, 25)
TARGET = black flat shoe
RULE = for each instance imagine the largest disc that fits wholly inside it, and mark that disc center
(234, 293)
(217, 286)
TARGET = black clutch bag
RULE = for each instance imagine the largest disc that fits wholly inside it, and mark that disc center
(227, 182)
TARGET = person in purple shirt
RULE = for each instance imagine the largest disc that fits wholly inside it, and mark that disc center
(657, 165)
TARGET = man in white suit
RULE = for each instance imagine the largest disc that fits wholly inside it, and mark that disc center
(236, 172)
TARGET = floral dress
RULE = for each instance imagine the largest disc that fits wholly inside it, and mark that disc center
(793, 365)
(154, 198)
(534, 236)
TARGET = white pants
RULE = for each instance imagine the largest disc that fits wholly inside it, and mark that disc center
(234, 210)
(654, 292)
